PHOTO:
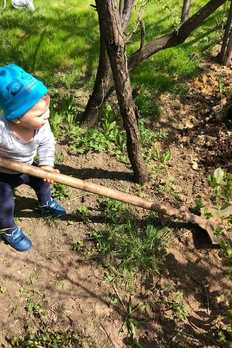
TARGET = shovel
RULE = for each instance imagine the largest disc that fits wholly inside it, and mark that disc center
(209, 225)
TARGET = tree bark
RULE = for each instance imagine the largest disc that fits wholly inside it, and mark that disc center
(228, 54)
(170, 40)
(224, 56)
(185, 11)
(101, 87)
(112, 34)
(103, 82)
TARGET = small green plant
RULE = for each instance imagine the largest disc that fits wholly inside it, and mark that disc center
(163, 157)
(225, 337)
(47, 337)
(107, 137)
(226, 253)
(2, 289)
(222, 90)
(58, 283)
(173, 304)
(166, 186)
(56, 121)
(78, 245)
(221, 183)
(199, 204)
(84, 213)
(60, 190)
(131, 322)
(63, 118)
(37, 308)
(220, 85)
(107, 123)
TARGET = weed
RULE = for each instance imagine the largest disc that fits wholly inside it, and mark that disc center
(224, 337)
(221, 183)
(56, 121)
(111, 138)
(47, 337)
(163, 158)
(2, 289)
(199, 204)
(58, 283)
(131, 322)
(125, 245)
(107, 137)
(78, 245)
(221, 89)
(226, 253)
(29, 232)
(166, 185)
(172, 301)
(84, 214)
(37, 308)
(60, 190)
(147, 136)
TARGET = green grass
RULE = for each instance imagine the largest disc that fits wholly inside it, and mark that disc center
(58, 41)
(125, 245)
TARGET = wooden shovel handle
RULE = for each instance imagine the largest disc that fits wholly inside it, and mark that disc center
(87, 186)
(111, 193)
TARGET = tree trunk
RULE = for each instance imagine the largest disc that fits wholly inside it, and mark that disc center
(225, 54)
(185, 11)
(228, 54)
(112, 33)
(101, 87)
(104, 82)
(170, 40)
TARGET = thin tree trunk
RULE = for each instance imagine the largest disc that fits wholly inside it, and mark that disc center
(103, 83)
(101, 87)
(225, 54)
(113, 36)
(228, 54)
(185, 11)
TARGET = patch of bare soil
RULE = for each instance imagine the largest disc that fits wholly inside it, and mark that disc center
(57, 284)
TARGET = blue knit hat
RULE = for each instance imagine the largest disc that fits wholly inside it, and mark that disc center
(19, 91)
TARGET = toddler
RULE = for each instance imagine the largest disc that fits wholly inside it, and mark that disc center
(24, 133)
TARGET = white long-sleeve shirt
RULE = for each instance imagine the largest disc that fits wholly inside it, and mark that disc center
(43, 144)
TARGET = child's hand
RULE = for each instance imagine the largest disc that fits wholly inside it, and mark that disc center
(51, 169)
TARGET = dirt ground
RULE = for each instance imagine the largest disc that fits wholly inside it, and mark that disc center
(71, 290)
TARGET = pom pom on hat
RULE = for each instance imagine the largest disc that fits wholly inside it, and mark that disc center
(19, 91)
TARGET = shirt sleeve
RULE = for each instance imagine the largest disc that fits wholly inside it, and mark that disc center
(1, 133)
(46, 148)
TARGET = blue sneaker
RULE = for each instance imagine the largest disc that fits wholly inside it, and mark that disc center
(18, 240)
(52, 208)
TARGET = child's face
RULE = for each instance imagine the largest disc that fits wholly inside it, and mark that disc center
(36, 117)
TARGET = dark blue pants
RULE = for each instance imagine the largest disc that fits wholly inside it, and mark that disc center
(8, 182)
